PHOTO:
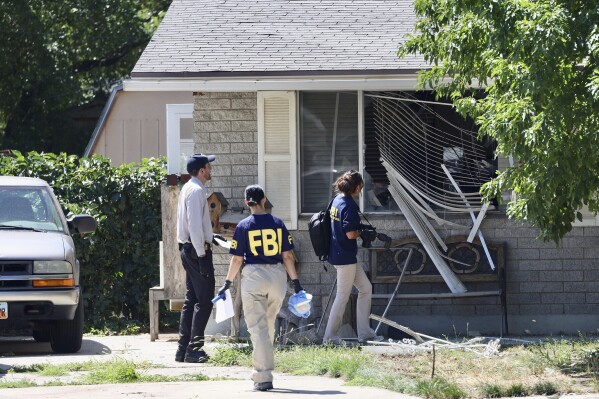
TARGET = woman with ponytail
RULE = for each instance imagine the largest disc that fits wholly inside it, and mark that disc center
(345, 229)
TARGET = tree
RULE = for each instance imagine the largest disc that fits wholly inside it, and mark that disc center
(537, 61)
(59, 56)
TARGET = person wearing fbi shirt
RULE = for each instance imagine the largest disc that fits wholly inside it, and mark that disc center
(194, 234)
(345, 229)
(264, 244)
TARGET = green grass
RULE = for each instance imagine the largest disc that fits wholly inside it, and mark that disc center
(232, 355)
(492, 391)
(516, 390)
(544, 388)
(355, 366)
(438, 388)
(33, 368)
(111, 372)
(119, 371)
(543, 369)
(25, 383)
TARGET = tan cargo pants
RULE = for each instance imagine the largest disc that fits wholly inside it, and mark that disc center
(347, 277)
(263, 290)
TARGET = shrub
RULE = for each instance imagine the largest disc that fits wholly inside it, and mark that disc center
(544, 388)
(492, 391)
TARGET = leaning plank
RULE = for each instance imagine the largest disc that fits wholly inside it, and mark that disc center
(454, 283)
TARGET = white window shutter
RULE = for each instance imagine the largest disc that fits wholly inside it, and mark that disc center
(277, 153)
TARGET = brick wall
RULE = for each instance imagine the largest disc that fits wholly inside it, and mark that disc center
(225, 125)
(549, 289)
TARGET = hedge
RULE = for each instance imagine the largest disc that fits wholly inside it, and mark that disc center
(119, 261)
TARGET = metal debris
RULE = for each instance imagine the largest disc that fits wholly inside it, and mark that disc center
(487, 347)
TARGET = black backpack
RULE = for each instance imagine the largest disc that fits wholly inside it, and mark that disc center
(319, 228)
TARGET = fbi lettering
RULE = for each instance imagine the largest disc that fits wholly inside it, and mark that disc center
(268, 241)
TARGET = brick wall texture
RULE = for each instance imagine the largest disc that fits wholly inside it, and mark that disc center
(549, 289)
(225, 125)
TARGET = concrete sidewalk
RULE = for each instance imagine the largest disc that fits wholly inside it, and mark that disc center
(24, 352)
(285, 386)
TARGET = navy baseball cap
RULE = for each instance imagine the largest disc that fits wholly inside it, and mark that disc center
(254, 194)
(198, 161)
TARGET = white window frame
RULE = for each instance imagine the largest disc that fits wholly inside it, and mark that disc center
(174, 114)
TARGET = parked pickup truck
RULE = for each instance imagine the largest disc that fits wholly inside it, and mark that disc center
(39, 273)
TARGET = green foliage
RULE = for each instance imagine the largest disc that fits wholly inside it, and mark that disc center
(62, 55)
(516, 390)
(572, 357)
(17, 384)
(119, 261)
(438, 388)
(113, 371)
(232, 355)
(538, 62)
(544, 388)
(492, 391)
(591, 357)
(118, 371)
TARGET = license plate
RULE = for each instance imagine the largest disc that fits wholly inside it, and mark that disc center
(3, 310)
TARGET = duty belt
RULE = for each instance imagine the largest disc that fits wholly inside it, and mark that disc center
(207, 246)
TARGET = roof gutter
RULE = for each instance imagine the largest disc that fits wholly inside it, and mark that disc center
(407, 80)
(102, 120)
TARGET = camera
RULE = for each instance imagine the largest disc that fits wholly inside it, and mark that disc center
(368, 234)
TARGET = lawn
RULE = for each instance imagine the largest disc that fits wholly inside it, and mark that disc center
(553, 366)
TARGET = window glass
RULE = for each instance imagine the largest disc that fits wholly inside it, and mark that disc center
(376, 194)
(30, 207)
(329, 144)
(415, 129)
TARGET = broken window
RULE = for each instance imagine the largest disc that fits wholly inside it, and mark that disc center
(411, 130)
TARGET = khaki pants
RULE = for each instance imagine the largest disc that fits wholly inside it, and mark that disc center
(348, 276)
(263, 290)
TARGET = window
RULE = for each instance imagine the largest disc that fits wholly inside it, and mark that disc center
(30, 207)
(328, 142)
(424, 134)
(179, 136)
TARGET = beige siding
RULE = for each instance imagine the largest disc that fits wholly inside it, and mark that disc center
(136, 126)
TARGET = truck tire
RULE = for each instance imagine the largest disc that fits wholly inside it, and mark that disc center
(66, 336)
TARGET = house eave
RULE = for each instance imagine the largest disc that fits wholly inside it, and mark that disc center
(315, 81)
(102, 120)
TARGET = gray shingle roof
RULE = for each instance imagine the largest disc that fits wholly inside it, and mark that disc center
(279, 37)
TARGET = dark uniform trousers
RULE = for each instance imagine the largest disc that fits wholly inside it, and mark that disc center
(200, 284)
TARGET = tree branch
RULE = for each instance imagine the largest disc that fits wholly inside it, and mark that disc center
(110, 59)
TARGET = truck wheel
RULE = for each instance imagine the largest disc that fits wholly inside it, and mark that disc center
(42, 334)
(66, 335)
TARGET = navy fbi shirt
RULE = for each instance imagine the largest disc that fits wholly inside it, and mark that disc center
(344, 218)
(261, 239)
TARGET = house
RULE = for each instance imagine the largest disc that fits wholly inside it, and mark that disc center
(283, 93)
(132, 126)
